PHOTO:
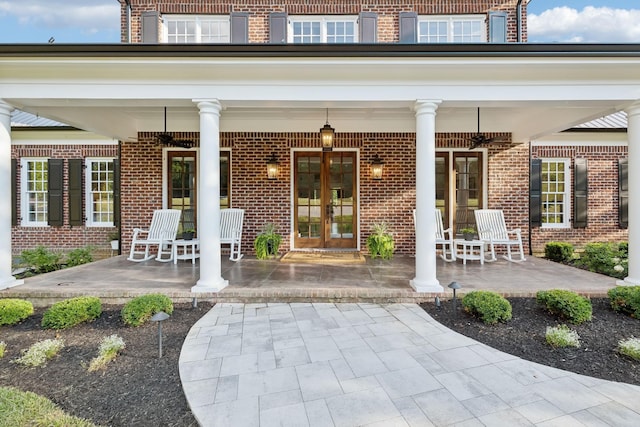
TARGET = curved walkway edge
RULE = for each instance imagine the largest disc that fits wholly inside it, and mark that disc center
(327, 364)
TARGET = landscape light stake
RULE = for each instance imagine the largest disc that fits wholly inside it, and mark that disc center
(159, 317)
(454, 286)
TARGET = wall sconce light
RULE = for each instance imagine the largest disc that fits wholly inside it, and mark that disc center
(272, 167)
(326, 135)
(377, 167)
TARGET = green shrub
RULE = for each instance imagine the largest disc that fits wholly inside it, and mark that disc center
(41, 259)
(606, 258)
(626, 299)
(489, 306)
(14, 310)
(562, 336)
(380, 241)
(566, 304)
(68, 313)
(39, 353)
(140, 309)
(79, 256)
(630, 347)
(558, 251)
(109, 348)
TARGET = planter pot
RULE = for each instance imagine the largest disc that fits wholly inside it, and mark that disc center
(187, 235)
(115, 244)
(468, 236)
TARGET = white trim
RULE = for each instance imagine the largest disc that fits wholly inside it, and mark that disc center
(567, 206)
(88, 204)
(323, 20)
(581, 139)
(24, 200)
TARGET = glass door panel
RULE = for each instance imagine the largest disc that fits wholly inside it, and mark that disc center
(182, 187)
(468, 193)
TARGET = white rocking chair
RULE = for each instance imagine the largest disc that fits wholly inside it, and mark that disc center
(161, 232)
(493, 231)
(448, 250)
(231, 231)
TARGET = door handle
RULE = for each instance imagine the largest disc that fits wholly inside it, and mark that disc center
(328, 211)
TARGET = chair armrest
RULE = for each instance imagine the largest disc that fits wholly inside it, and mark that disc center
(447, 231)
(137, 231)
(515, 231)
(236, 234)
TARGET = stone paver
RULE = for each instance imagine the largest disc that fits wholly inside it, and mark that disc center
(325, 364)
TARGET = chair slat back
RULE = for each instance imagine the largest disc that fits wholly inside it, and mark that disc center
(230, 221)
(164, 224)
(439, 226)
(491, 224)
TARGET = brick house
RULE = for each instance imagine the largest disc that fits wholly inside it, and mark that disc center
(240, 84)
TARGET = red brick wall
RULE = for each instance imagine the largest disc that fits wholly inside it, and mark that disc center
(387, 11)
(602, 163)
(62, 238)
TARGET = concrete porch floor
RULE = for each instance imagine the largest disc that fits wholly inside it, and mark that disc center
(250, 280)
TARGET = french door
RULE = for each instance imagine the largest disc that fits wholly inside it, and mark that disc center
(459, 187)
(325, 202)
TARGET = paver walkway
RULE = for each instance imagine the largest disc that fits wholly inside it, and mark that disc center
(376, 365)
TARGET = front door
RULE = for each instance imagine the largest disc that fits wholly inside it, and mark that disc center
(325, 200)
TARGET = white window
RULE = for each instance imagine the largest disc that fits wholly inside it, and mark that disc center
(556, 187)
(34, 183)
(196, 29)
(323, 29)
(452, 29)
(99, 189)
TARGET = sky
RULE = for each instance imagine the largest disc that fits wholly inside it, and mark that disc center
(98, 21)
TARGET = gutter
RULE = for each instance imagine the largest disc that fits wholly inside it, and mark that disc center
(518, 20)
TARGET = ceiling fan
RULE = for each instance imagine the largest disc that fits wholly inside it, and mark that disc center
(167, 140)
(480, 139)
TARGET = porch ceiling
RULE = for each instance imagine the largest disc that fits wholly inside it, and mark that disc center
(117, 94)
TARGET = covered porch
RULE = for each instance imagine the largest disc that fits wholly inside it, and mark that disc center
(116, 280)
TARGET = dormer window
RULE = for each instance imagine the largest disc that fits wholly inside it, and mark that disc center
(196, 29)
(452, 29)
(323, 29)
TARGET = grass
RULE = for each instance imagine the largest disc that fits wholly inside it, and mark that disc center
(19, 408)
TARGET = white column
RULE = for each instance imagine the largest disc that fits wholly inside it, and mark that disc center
(425, 280)
(633, 137)
(208, 200)
(6, 279)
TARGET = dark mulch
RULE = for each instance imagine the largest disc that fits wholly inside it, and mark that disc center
(137, 388)
(524, 336)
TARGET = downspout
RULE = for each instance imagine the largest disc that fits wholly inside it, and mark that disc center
(518, 20)
(529, 214)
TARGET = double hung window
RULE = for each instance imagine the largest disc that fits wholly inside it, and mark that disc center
(556, 187)
(35, 186)
(99, 192)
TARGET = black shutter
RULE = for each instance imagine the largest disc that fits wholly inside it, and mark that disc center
(278, 27)
(408, 27)
(116, 192)
(239, 27)
(535, 193)
(368, 25)
(623, 193)
(14, 192)
(580, 191)
(497, 27)
(54, 192)
(75, 192)
(150, 27)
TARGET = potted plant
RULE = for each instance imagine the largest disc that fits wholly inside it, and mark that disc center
(468, 233)
(114, 238)
(188, 233)
(380, 241)
(267, 242)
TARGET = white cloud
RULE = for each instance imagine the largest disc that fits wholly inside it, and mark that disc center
(89, 15)
(591, 25)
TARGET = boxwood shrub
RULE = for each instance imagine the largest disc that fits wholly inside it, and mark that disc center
(558, 251)
(13, 310)
(70, 312)
(142, 308)
(566, 304)
(489, 306)
(626, 299)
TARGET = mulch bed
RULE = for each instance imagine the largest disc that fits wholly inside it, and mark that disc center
(524, 336)
(137, 388)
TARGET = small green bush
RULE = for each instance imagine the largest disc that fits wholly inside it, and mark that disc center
(626, 299)
(562, 336)
(606, 258)
(109, 348)
(140, 309)
(41, 259)
(71, 312)
(566, 304)
(380, 242)
(79, 256)
(489, 306)
(558, 251)
(39, 353)
(14, 310)
(630, 347)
